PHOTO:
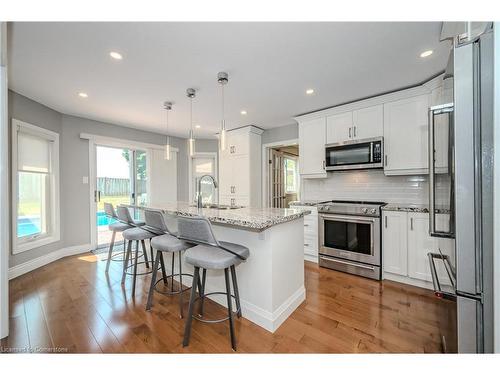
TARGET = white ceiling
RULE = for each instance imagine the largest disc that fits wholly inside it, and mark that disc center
(270, 66)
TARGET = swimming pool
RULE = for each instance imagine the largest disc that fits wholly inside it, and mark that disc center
(28, 225)
(102, 219)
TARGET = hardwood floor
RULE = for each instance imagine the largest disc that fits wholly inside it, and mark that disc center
(72, 306)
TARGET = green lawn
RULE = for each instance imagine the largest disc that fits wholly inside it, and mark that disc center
(29, 208)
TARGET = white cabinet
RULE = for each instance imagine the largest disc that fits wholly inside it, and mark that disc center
(406, 136)
(239, 168)
(405, 245)
(359, 124)
(420, 243)
(368, 122)
(310, 234)
(339, 128)
(312, 139)
(394, 242)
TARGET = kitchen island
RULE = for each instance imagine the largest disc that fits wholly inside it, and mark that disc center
(271, 281)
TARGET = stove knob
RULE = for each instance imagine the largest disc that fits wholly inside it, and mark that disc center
(364, 210)
(373, 211)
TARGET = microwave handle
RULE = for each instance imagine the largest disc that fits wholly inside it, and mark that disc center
(371, 152)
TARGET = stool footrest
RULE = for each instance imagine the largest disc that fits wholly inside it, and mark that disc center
(210, 321)
(175, 292)
(130, 273)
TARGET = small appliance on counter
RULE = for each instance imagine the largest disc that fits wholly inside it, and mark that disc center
(349, 237)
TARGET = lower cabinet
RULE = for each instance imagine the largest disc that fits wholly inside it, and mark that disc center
(310, 234)
(405, 245)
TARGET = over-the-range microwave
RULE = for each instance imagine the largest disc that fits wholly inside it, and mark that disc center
(355, 154)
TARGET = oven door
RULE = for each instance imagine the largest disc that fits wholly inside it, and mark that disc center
(350, 237)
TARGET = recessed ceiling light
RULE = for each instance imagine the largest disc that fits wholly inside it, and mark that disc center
(83, 95)
(116, 55)
(310, 91)
(243, 112)
(426, 53)
(197, 126)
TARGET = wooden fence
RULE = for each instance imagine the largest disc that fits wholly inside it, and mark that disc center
(118, 186)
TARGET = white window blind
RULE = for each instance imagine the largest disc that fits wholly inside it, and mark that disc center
(33, 153)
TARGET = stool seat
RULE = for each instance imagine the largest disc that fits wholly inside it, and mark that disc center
(137, 234)
(139, 223)
(167, 242)
(119, 227)
(210, 257)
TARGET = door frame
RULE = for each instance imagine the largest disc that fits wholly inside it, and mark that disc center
(265, 161)
(97, 140)
(190, 171)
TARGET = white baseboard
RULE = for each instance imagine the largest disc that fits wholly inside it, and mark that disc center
(311, 258)
(267, 320)
(33, 264)
(408, 280)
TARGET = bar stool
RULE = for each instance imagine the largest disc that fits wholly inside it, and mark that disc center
(210, 254)
(118, 226)
(136, 234)
(165, 242)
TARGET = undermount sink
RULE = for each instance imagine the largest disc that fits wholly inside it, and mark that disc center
(219, 206)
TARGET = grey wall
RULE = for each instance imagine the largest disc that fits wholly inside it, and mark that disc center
(74, 165)
(283, 133)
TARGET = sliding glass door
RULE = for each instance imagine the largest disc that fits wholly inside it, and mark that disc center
(121, 178)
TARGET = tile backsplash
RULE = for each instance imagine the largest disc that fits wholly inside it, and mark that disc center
(367, 185)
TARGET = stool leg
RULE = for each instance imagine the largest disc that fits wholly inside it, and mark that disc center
(153, 281)
(135, 266)
(202, 290)
(124, 252)
(152, 252)
(110, 253)
(236, 291)
(127, 255)
(145, 254)
(163, 272)
(172, 283)
(189, 320)
(180, 286)
(230, 308)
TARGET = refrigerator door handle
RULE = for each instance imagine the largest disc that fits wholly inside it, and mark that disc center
(433, 111)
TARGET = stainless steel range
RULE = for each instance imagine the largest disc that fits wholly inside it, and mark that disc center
(350, 237)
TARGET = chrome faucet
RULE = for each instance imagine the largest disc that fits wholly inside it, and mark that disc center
(198, 193)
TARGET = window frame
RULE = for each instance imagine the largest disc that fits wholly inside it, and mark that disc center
(53, 217)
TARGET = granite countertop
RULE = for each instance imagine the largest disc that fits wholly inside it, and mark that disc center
(407, 207)
(254, 219)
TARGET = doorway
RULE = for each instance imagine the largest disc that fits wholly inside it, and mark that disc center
(281, 179)
(121, 178)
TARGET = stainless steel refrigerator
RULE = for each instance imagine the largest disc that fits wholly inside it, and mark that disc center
(461, 184)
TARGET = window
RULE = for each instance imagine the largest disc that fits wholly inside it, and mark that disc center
(35, 168)
(203, 164)
(291, 175)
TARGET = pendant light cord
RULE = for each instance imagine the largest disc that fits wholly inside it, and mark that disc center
(222, 88)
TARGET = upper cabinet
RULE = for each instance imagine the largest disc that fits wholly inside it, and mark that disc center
(312, 140)
(359, 124)
(406, 136)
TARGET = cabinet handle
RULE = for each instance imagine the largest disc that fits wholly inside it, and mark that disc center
(411, 223)
(306, 244)
(324, 164)
(350, 132)
(385, 219)
(354, 132)
(306, 225)
(385, 157)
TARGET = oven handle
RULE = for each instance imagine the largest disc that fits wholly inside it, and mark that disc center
(348, 263)
(350, 219)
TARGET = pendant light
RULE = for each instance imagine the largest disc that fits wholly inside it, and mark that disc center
(168, 107)
(222, 78)
(191, 93)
